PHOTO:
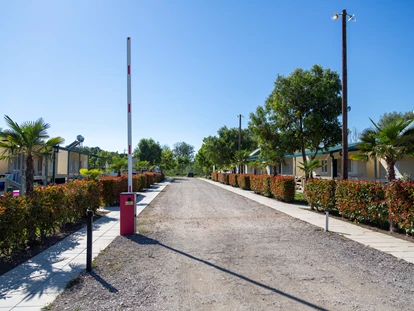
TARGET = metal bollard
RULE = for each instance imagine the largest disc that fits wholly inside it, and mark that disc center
(326, 221)
(89, 213)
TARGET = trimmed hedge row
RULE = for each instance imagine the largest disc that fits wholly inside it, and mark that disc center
(24, 219)
(363, 201)
(29, 219)
(282, 188)
(233, 180)
(320, 194)
(400, 197)
(112, 187)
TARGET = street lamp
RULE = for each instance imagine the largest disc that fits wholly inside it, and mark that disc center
(344, 92)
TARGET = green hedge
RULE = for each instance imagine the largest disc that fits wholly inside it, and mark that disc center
(26, 219)
(400, 199)
(112, 187)
(362, 201)
(320, 194)
(283, 188)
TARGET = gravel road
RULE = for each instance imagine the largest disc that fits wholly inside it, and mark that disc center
(201, 247)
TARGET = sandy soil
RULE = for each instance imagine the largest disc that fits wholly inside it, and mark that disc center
(201, 247)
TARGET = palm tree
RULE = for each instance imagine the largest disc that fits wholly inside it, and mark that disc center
(309, 166)
(119, 164)
(28, 138)
(392, 142)
(273, 158)
(142, 165)
(241, 157)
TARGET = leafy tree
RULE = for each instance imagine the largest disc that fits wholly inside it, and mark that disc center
(273, 143)
(119, 165)
(392, 142)
(203, 161)
(390, 117)
(305, 107)
(167, 159)
(28, 138)
(221, 149)
(148, 150)
(183, 150)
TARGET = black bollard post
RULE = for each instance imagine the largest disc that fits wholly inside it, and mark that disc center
(89, 213)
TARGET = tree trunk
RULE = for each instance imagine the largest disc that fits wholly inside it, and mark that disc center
(119, 173)
(390, 178)
(390, 170)
(274, 170)
(29, 174)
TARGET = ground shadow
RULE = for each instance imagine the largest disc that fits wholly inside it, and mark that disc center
(143, 240)
(103, 282)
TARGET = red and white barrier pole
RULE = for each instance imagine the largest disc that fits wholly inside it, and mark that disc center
(129, 114)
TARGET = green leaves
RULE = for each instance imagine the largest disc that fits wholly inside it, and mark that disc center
(303, 107)
(391, 139)
(28, 138)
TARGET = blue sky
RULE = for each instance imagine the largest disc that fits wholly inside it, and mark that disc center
(196, 64)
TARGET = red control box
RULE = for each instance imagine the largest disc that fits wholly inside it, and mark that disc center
(127, 213)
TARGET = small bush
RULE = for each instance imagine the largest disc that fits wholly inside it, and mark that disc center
(400, 198)
(320, 194)
(243, 180)
(233, 180)
(283, 188)
(260, 184)
(223, 178)
(362, 201)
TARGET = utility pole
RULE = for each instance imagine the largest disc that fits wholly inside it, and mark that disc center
(345, 16)
(344, 100)
(240, 117)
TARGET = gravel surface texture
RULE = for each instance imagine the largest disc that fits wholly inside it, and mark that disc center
(201, 247)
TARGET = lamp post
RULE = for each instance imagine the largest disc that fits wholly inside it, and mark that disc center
(344, 92)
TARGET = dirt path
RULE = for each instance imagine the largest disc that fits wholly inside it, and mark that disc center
(204, 248)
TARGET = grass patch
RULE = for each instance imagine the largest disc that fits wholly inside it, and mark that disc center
(73, 282)
(47, 307)
(143, 231)
(300, 198)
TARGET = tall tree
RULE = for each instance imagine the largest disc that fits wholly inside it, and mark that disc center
(183, 150)
(167, 159)
(28, 138)
(305, 107)
(273, 143)
(148, 150)
(203, 161)
(221, 149)
(390, 117)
